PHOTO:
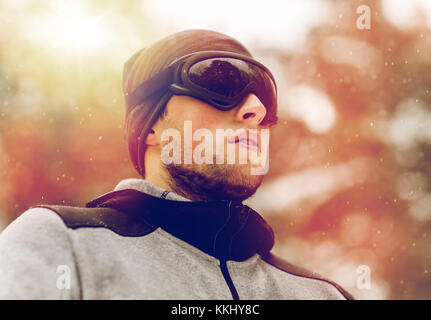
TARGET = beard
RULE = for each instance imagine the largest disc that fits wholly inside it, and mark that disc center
(211, 182)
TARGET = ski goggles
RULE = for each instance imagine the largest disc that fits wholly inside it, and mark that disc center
(222, 79)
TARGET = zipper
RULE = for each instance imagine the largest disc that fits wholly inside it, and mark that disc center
(228, 280)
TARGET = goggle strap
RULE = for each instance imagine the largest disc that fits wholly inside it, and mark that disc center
(148, 88)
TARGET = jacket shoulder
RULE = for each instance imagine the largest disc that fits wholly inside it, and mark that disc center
(101, 217)
(32, 247)
(285, 266)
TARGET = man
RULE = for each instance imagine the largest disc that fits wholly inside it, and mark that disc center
(182, 231)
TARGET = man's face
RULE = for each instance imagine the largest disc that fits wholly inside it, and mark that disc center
(219, 149)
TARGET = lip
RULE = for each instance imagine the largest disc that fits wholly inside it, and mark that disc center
(243, 138)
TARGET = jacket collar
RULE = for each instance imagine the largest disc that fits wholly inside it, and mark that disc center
(227, 230)
(148, 188)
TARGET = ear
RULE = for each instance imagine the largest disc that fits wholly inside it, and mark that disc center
(152, 139)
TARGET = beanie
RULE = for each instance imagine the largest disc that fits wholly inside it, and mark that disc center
(145, 64)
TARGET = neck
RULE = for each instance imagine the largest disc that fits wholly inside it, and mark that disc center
(161, 181)
(199, 185)
(182, 184)
(166, 182)
(175, 182)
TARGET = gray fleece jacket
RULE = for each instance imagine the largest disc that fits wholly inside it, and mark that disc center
(115, 250)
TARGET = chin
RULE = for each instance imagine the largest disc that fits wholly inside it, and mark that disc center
(213, 182)
(241, 174)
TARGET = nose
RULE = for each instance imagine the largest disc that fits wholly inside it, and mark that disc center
(250, 111)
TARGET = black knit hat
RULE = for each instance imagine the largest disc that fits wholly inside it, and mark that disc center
(146, 63)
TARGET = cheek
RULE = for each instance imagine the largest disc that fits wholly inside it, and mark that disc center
(203, 120)
(209, 118)
(202, 115)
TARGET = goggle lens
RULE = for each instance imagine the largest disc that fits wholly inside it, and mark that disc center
(233, 78)
(224, 76)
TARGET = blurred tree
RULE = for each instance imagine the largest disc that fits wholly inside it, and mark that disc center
(378, 81)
